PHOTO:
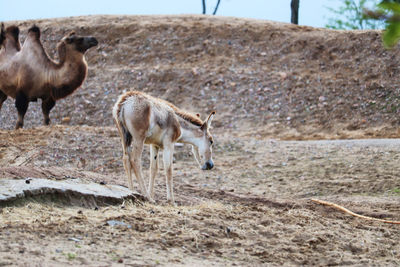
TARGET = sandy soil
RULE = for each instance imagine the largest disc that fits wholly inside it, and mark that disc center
(254, 207)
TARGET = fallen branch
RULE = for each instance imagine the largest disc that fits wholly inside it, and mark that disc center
(27, 159)
(333, 205)
(108, 163)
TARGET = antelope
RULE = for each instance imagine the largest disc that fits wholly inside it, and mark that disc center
(143, 119)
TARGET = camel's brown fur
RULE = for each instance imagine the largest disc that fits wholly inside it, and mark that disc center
(28, 73)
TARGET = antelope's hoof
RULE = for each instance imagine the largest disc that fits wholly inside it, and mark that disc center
(172, 202)
(150, 199)
(19, 125)
(150, 194)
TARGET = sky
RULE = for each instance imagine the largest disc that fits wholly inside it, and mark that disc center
(312, 12)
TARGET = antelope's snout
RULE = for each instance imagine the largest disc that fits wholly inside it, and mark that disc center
(208, 165)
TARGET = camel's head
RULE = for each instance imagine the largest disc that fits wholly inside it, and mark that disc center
(10, 32)
(10, 36)
(79, 43)
(2, 34)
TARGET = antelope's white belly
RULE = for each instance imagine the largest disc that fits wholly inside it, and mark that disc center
(154, 135)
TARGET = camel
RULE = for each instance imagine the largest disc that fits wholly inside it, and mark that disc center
(27, 73)
(143, 119)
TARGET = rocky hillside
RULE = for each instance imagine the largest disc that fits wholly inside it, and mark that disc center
(264, 79)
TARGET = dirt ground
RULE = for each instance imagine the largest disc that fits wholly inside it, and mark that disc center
(272, 85)
(253, 208)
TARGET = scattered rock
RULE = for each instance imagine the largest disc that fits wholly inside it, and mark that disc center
(114, 223)
(76, 191)
(65, 120)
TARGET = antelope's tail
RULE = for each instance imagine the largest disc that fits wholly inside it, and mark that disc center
(118, 115)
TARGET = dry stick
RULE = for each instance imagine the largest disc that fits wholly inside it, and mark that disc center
(333, 205)
(28, 159)
(108, 163)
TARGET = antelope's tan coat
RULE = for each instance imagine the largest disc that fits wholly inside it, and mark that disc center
(143, 119)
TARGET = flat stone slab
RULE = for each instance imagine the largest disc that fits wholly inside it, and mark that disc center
(71, 191)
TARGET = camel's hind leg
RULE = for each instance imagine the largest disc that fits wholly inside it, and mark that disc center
(3, 98)
(153, 168)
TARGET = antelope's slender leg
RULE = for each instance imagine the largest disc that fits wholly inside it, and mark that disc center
(153, 168)
(128, 167)
(167, 158)
(136, 163)
(196, 155)
(125, 156)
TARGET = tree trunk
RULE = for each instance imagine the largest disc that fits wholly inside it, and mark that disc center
(204, 6)
(216, 7)
(294, 5)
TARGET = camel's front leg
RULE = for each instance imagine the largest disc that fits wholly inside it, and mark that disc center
(47, 105)
(167, 158)
(21, 103)
(153, 168)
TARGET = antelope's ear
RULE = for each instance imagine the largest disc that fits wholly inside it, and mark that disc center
(207, 123)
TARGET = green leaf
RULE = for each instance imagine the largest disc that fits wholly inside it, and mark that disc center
(392, 34)
(350, 15)
(394, 7)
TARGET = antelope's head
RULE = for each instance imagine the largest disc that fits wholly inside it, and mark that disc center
(203, 149)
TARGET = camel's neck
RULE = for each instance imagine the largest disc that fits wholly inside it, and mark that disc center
(69, 75)
(11, 46)
(64, 76)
